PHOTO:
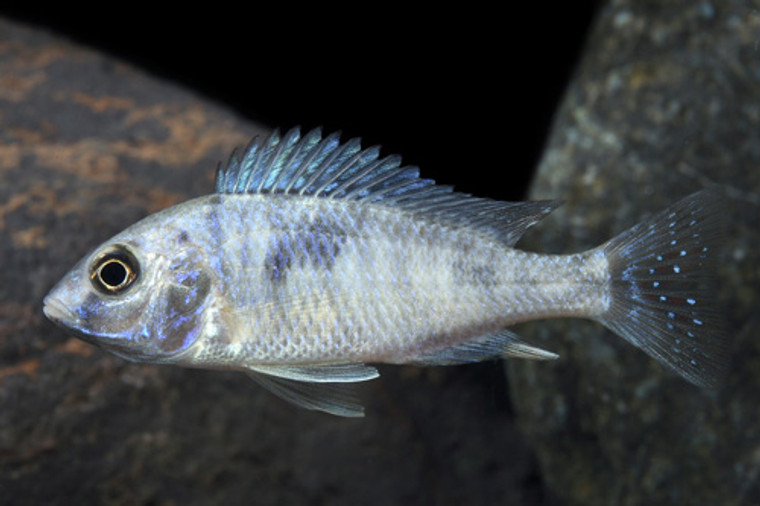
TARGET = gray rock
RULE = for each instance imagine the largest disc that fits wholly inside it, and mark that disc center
(665, 101)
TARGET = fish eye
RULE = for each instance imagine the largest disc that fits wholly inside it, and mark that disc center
(114, 271)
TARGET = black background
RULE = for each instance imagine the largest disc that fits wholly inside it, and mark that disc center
(468, 95)
(464, 92)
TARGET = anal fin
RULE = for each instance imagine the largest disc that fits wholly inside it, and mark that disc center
(504, 343)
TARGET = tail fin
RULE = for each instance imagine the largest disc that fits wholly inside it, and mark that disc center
(663, 297)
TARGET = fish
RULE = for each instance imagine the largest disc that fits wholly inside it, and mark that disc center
(315, 258)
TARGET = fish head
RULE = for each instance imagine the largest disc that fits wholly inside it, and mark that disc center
(141, 295)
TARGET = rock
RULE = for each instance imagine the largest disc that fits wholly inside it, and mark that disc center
(88, 146)
(665, 101)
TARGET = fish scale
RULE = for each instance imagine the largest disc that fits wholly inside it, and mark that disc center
(326, 298)
(315, 257)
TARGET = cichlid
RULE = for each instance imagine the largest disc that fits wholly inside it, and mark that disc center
(314, 257)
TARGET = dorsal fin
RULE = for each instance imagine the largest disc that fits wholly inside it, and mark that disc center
(324, 167)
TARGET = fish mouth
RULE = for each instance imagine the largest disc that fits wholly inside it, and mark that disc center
(57, 312)
(60, 314)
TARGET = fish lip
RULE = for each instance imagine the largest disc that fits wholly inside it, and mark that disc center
(57, 312)
(60, 314)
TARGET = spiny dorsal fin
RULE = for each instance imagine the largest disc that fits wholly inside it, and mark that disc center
(314, 166)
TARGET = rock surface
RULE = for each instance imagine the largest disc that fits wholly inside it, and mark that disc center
(87, 147)
(666, 101)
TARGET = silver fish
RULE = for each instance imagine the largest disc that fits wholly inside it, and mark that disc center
(314, 257)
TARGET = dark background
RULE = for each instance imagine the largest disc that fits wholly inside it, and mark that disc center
(469, 96)
(466, 94)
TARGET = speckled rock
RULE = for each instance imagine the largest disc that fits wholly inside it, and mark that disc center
(87, 147)
(666, 101)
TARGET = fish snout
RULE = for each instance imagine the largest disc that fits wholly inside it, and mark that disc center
(56, 310)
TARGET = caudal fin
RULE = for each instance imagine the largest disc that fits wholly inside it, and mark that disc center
(663, 296)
